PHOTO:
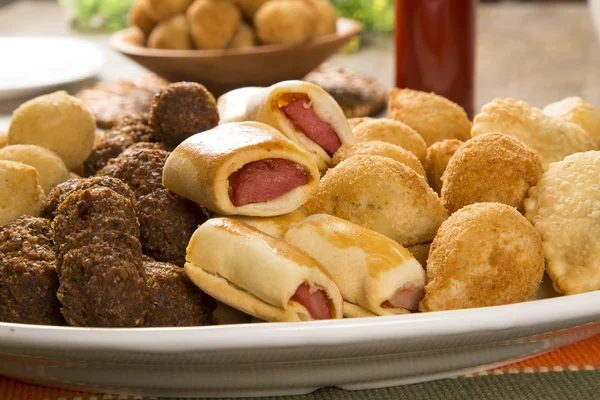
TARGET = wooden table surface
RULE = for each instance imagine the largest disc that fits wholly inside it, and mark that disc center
(534, 52)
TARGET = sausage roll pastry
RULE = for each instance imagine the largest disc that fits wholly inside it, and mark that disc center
(274, 226)
(376, 275)
(259, 274)
(244, 168)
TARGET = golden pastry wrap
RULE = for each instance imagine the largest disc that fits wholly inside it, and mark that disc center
(256, 273)
(275, 226)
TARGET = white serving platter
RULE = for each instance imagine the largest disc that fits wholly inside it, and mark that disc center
(293, 358)
(33, 64)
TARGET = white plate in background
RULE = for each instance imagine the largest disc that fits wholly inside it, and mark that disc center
(33, 64)
(293, 358)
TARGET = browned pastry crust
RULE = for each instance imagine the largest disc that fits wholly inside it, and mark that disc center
(62, 191)
(436, 160)
(102, 281)
(174, 299)
(28, 279)
(181, 110)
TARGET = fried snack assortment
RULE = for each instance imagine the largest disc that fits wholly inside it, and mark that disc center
(221, 24)
(551, 138)
(485, 254)
(313, 216)
(490, 168)
(564, 208)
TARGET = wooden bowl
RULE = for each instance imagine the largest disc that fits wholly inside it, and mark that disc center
(224, 70)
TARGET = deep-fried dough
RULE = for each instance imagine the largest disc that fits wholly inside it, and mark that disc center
(394, 132)
(173, 33)
(140, 17)
(160, 10)
(420, 252)
(579, 112)
(250, 7)
(213, 23)
(354, 122)
(377, 148)
(436, 160)
(564, 207)
(326, 17)
(433, 117)
(243, 37)
(551, 138)
(285, 22)
(486, 254)
(490, 168)
(21, 191)
(380, 194)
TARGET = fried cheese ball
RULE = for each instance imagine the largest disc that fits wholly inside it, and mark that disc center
(140, 16)
(174, 299)
(380, 194)
(21, 191)
(50, 167)
(436, 160)
(433, 117)
(492, 168)
(394, 132)
(58, 122)
(420, 252)
(28, 279)
(181, 110)
(99, 260)
(551, 138)
(579, 112)
(62, 191)
(161, 10)
(243, 37)
(326, 17)
(486, 254)
(172, 33)
(213, 23)
(285, 22)
(383, 149)
(564, 207)
(354, 122)
(250, 7)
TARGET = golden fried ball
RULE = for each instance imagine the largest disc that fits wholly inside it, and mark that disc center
(380, 194)
(420, 252)
(436, 160)
(50, 167)
(354, 122)
(383, 149)
(3, 139)
(285, 22)
(243, 37)
(326, 17)
(394, 132)
(213, 23)
(579, 112)
(160, 10)
(486, 254)
(57, 121)
(433, 117)
(173, 33)
(22, 193)
(492, 167)
(250, 7)
(140, 17)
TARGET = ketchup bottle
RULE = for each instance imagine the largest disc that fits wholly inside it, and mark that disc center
(435, 48)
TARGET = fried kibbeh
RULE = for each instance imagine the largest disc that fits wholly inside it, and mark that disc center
(181, 110)
(58, 122)
(99, 260)
(434, 117)
(551, 138)
(213, 23)
(243, 37)
(140, 16)
(579, 112)
(50, 167)
(28, 279)
(380, 194)
(377, 148)
(485, 254)
(160, 10)
(326, 17)
(436, 161)
(492, 168)
(62, 191)
(564, 208)
(420, 252)
(285, 22)
(173, 33)
(26, 195)
(394, 132)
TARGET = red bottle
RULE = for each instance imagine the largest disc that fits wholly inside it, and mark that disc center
(435, 48)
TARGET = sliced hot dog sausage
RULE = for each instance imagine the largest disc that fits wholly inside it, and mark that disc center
(407, 297)
(315, 301)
